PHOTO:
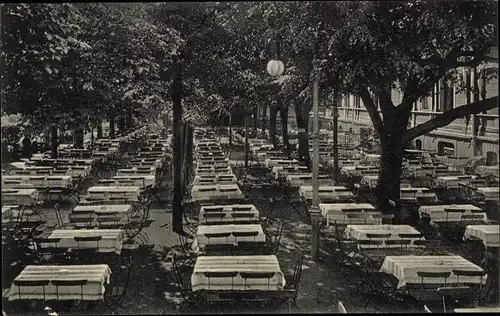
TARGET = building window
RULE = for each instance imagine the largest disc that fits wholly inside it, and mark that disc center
(446, 149)
(424, 103)
(448, 96)
(491, 158)
(468, 86)
(418, 144)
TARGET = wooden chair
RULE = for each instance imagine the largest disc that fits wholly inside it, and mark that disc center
(53, 251)
(273, 242)
(293, 281)
(29, 283)
(455, 296)
(188, 296)
(59, 283)
(87, 254)
(210, 275)
(427, 292)
(116, 293)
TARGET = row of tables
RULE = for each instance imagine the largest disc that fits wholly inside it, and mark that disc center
(60, 281)
(222, 223)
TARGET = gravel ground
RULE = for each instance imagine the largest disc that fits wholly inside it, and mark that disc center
(152, 289)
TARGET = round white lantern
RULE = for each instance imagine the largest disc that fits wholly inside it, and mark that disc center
(275, 67)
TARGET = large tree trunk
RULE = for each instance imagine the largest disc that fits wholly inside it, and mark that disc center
(111, 127)
(99, 130)
(255, 121)
(177, 159)
(121, 124)
(284, 129)
(53, 140)
(273, 113)
(188, 154)
(303, 135)
(391, 161)
(183, 158)
(230, 129)
(264, 120)
(130, 120)
(78, 136)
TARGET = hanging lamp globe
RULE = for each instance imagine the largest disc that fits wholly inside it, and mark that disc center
(275, 67)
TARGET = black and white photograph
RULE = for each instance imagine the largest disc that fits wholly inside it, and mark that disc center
(250, 157)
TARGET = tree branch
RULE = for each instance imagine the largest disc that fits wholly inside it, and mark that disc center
(384, 95)
(449, 116)
(372, 110)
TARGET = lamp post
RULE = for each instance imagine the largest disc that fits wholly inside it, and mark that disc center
(335, 140)
(314, 210)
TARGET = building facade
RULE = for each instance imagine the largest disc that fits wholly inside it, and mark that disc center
(476, 135)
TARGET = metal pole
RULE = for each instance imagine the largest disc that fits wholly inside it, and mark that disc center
(335, 141)
(314, 211)
(246, 136)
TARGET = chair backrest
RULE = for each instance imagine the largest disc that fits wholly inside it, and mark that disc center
(217, 235)
(341, 308)
(297, 272)
(433, 275)
(178, 276)
(245, 234)
(220, 274)
(373, 235)
(410, 235)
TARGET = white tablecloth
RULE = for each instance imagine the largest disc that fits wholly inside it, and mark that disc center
(437, 213)
(289, 170)
(489, 234)
(37, 181)
(19, 196)
(139, 181)
(250, 209)
(451, 182)
(238, 264)
(359, 232)
(269, 163)
(131, 193)
(215, 179)
(334, 214)
(358, 170)
(203, 192)
(135, 171)
(490, 193)
(202, 240)
(487, 170)
(306, 179)
(96, 276)
(325, 192)
(405, 268)
(112, 239)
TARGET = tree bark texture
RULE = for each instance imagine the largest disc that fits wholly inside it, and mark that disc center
(130, 120)
(188, 155)
(273, 114)
(230, 130)
(303, 135)
(111, 127)
(391, 161)
(284, 129)
(78, 136)
(264, 120)
(177, 154)
(121, 124)
(99, 130)
(53, 141)
(255, 122)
